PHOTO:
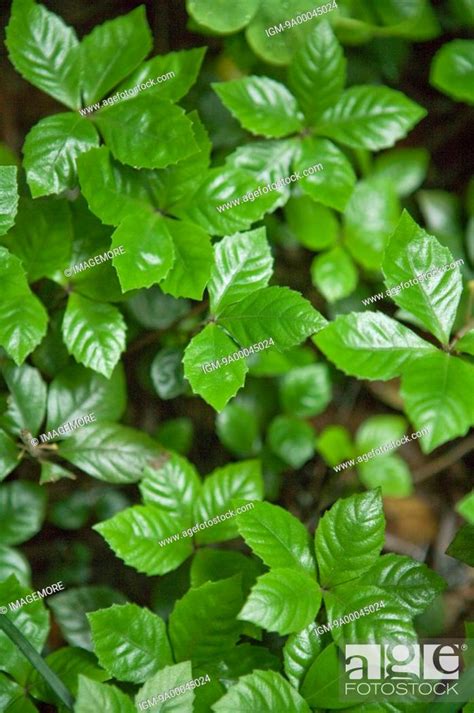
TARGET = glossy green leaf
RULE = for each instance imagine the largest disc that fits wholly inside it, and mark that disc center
(312, 224)
(349, 538)
(333, 184)
(334, 274)
(299, 652)
(113, 50)
(109, 699)
(194, 257)
(389, 473)
(306, 391)
(466, 343)
(176, 434)
(371, 345)
(13, 697)
(45, 51)
(465, 507)
(168, 678)
(406, 168)
(436, 391)
(26, 401)
(51, 150)
(292, 440)
(321, 684)
(167, 373)
(370, 117)
(452, 71)
(174, 487)
(262, 105)
(335, 445)
(462, 547)
(94, 333)
(210, 565)
(238, 430)
(22, 511)
(14, 562)
(243, 264)
(9, 197)
(263, 691)
(221, 17)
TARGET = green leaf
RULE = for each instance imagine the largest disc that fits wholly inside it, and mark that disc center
(165, 680)
(334, 274)
(110, 452)
(299, 652)
(211, 345)
(94, 333)
(272, 312)
(462, 547)
(238, 430)
(22, 511)
(13, 697)
(317, 73)
(465, 507)
(292, 440)
(405, 168)
(436, 391)
(130, 642)
(221, 17)
(390, 473)
(193, 254)
(14, 562)
(304, 215)
(262, 691)
(45, 51)
(243, 264)
(135, 534)
(284, 600)
(93, 695)
(241, 480)
(113, 50)
(349, 538)
(466, 343)
(51, 150)
(176, 434)
(434, 300)
(321, 685)
(371, 345)
(77, 391)
(27, 399)
(378, 430)
(167, 373)
(412, 584)
(203, 623)
(335, 445)
(262, 105)
(306, 391)
(370, 117)
(174, 487)
(452, 71)
(9, 197)
(331, 186)
(130, 129)
(210, 565)
(277, 537)
(148, 251)
(23, 318)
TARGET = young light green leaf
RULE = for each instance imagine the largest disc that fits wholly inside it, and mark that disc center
(130, 642)
(292, 440)
(262, 105)
(389, 473)
(243, 264)
(452, 71)
(332, 184)
(94, 333)
(370, 117)
(9, 456)
(312, 224)
(262, 691)
(299, 652)
(113, 50)
(45, 51)
(466, 343)
(168, 678)
(378, 430)
(371, 345)
(174, 487)
(92, 694)
(335, 445)
(406, 168)
(51, 150)
(221, 17)
(22, 511)
(349, 538)
(8, 197)
(334, 274)
(26, 401)
(194, 257)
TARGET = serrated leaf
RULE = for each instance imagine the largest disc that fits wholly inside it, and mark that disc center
(243, 264)
(277, 537)
(8, 197)
(168, 678)
(130, 642)
(284, 600)
(349, 538)
(241, 480)
(312, 224)
(51, 150)
(22, 511)
(370, 117)
(113, 50)
(299, 652)
(334, 274)
(292, 440)
(452, 70)
(262, 105)
(221, 17)
(26, 403)
(193, 259)
(203, 622)
(45, 51)
(94, 333)
(436, 391)
(173, 486)
(406, 168)
(332, 185)
(262, 691)
(134, 535)
(105, 697)
(371, 345)
(434, 300)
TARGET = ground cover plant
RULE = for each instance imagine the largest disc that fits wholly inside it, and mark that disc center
(236, 353)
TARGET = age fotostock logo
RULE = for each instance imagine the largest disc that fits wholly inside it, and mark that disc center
(402, 671)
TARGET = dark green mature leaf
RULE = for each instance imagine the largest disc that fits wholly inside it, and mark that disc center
(221, 17)
(113, 50)
(27, 399)
(334, 274)
(434, 300)
(68, 664)
(371, 345)
(349, 538)
(437, 392)
(110, 452)
(193, 259)
(167, 373)
(13, 697)
(210, 565)
(109, 699)
(292, 440)
(262, 691)
(452, 71)
(332, 185)
(406, 168)
(321, 685)
(272, 312)
(317, 73)
(94, 333)
(299, 652)
(165, 680)
(9, 456)
(261, 105)
(8, 197)
(284, 600)
(370, 117)
(51, 150)
(462, 547)
(203, 623)
(277, 537)
(23, 318)
(135, 535)
(173, 486)
(45, 51)
(241, 480)
(22, 511)
(130, 129)
(130, 642)
(243, 264)
(238, 430)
